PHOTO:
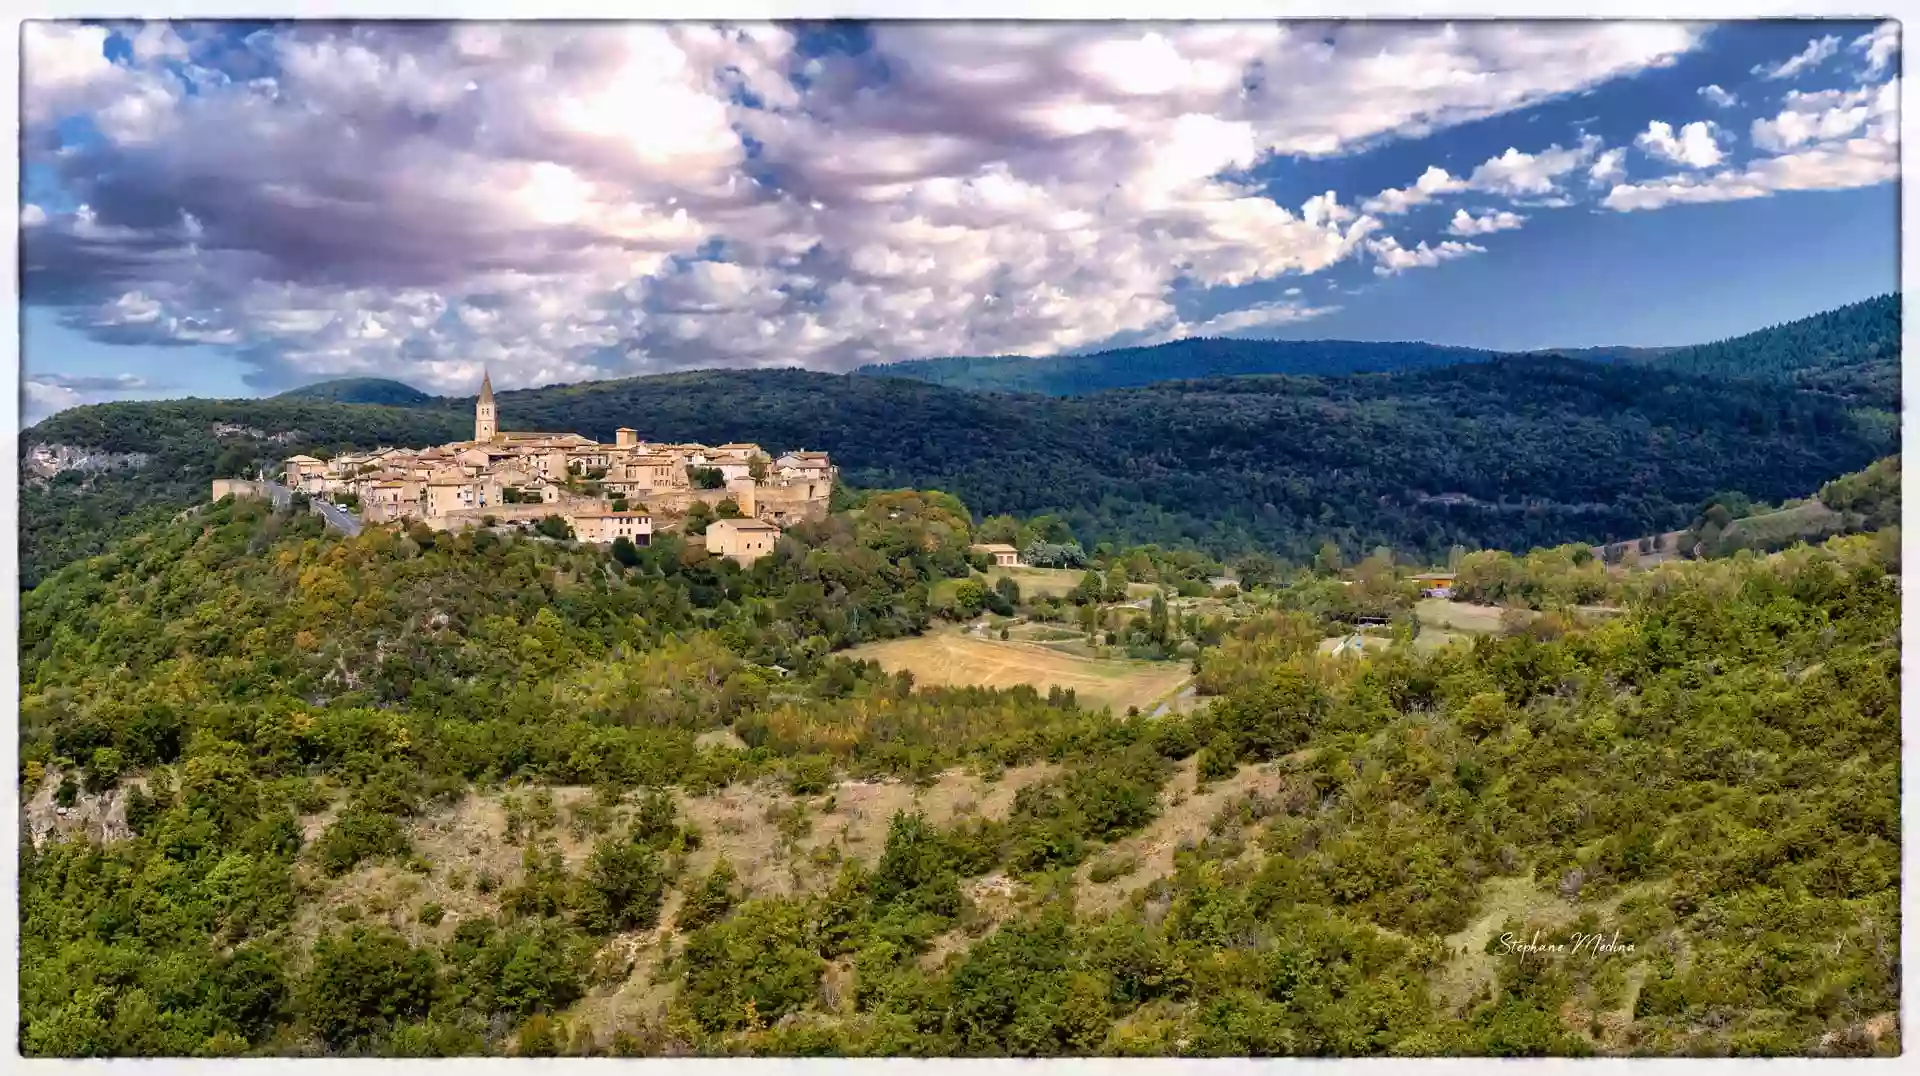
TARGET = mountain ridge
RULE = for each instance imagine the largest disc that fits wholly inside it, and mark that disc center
(1851, 350)
(1511, 453)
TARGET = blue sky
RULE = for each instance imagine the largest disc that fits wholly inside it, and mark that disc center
(235, 209)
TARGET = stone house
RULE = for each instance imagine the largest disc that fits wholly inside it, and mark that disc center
(742, 540)
(602, 528)
(1004, 556)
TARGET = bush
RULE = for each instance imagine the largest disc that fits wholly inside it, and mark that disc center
(622, 888)
(362, 982)
(711, 900)
(357, 835)
(810, 775)
(431, 914)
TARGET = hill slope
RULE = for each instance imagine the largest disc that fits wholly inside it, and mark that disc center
(297, 744)
(360, 390)
(1852, 353)
(1512, 453)
(1074, 375)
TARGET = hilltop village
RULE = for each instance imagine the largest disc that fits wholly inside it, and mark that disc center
(604, 492)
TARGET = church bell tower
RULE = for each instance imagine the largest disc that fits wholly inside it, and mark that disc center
(485, 427)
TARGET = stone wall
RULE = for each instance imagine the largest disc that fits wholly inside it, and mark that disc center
(238, 487)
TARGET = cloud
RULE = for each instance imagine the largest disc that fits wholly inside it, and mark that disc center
(107, 383)
(1825, 116)
(1880, 46)
(1829, 141)
(1391, 258)
(1495, 220)
(564, 201)
(1817, 52)
(44, 394)
(1258, 316)
(1515, 174)
(1719, 97)
(1433, 182)
(1694, 147)
(1607, 167)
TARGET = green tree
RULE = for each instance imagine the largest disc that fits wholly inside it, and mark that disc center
(621, 889)
(361, 982)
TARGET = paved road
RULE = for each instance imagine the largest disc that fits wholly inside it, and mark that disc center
(339, 520)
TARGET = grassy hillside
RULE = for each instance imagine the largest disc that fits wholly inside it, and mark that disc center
(1075, 375)
(360, 390)
(456, 795)
(1513, 453)
(1866, 500)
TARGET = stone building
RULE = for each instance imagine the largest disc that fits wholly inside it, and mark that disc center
(518, 474)
(743, 540)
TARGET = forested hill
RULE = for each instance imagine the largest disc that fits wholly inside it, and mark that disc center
(1513, 453)
(361, 390)
(1074, 375)
(1852, 352)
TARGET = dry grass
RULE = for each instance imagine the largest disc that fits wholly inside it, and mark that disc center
(1038, 582)
(1459, 616)
(1471, 967)
(949, 658)
(1185, 813)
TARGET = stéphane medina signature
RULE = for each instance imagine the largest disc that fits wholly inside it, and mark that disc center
(1578, 944)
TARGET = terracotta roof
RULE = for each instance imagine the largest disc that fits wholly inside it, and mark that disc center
(743, 524)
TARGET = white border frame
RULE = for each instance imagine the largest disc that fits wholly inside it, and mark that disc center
(735, 10)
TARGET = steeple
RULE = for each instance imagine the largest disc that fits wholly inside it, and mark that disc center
(485, 425)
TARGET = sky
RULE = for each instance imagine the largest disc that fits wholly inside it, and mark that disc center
(229, 209)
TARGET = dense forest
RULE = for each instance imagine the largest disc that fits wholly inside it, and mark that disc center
(1512, 453)
(188, 443)
(1852, 353)
(361, 390)
(1178, 360)
(290, 720)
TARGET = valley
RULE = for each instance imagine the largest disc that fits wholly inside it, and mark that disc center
(685, 806)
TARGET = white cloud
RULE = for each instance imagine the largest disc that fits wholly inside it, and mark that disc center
(1494, 220)
(1825, 116)
(1435, 181)
(1817, 52)
(1392, 259)
(1515, 174)
(417, 200)
(1720, 98)
(1832, 141)
(44, 394)
(1608, 166)
(1258, 316)
(1880, 46)
(1694, 147)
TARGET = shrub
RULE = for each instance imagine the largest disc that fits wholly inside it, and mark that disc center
(363, 981)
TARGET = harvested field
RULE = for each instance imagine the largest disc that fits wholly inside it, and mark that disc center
(949, 658)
